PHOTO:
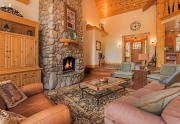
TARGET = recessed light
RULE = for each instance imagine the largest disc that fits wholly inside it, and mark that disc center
(172, 30)
(135, 16)
(176, 26)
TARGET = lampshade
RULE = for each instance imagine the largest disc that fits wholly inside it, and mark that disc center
(143, 57)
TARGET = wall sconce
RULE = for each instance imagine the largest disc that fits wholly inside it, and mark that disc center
(119, 44)
(153, 41)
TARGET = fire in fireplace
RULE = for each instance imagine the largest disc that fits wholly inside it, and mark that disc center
(68, 64)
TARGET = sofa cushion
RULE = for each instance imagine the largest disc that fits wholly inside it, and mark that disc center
(167, 69)
(156, 101)
(123, 113)
(126, 67)
(11, 94)
(32, 105)
(171, 114)
(141, 92)
(125, 73)
(7, 117)
(157, 77)
(154, 86)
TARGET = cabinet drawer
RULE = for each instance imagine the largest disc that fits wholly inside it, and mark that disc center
(25, 74)
(14, 76)
(33, 73)
(4, 77)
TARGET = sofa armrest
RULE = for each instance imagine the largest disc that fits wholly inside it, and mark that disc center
(128, 114)
(32, 89)
(156, 72)
(59, 114)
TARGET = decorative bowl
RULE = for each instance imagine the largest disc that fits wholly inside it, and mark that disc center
(103, 80)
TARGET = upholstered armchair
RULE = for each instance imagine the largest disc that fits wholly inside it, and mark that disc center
(125, 71)
(165, 71)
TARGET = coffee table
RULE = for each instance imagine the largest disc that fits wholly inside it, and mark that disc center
(99, 89)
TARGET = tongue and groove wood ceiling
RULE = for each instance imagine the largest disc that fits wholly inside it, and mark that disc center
(107, 8)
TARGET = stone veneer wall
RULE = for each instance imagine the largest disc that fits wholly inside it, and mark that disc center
(52, 52)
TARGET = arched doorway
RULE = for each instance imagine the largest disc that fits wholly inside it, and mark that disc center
(132, 45)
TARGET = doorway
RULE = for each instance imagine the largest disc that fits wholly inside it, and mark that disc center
(133, 45)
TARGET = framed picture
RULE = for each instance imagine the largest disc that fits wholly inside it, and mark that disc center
(69, 18)
(98, 45)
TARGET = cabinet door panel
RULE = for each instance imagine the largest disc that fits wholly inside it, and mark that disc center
(28, 80)
(3, 50)
(16, 51)
(29, 52)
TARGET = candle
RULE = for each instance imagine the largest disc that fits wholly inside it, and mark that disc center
(2, 5)
(9, 5)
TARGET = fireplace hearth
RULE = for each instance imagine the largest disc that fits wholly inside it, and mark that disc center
(68, 64)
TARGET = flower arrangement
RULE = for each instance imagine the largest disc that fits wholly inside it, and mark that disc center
(101, 56)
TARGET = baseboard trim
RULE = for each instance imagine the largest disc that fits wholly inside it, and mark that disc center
(91, 66)
(112, 63)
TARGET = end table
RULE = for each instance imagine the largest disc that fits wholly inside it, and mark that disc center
(140, 77)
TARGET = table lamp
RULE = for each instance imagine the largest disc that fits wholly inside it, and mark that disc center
(143, 58)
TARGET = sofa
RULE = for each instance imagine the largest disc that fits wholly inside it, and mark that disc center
(37, 108)
(165, 71)
(122, 111)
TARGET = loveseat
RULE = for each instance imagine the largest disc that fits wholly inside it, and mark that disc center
(38, 109)
(122, 111)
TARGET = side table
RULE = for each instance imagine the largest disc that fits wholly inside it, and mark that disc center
(140, 77)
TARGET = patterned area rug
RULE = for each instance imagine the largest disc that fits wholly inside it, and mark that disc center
(84, 110)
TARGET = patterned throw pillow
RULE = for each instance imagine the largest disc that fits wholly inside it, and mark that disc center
(11, 94)
(10, 117)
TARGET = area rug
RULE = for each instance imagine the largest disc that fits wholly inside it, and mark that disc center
(84, 110)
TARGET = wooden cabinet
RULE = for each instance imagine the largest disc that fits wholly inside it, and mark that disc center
(18, 51)
(178, 59)
(140, 77)
(3, 50)
(170, 39)
(22, 78)
(30, 51)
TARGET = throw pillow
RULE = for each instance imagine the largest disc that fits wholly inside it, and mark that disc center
(10, 117)
(11, 94)
(156, 101)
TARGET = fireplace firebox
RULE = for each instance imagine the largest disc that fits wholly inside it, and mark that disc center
(68, 64)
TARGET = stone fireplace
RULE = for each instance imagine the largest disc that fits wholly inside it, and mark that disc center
(53, 54)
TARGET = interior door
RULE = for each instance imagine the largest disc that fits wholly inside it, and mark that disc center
(136, 50)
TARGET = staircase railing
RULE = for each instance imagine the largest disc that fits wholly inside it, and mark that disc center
(170, 8)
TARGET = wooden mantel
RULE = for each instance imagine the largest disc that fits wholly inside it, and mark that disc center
(67, 41)
(90, 27)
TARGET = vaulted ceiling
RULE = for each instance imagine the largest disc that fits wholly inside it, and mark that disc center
(107, 8)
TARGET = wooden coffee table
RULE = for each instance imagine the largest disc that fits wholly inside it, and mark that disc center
(98, 89)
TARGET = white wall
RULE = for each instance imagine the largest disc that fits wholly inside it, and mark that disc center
(90, 16)
(92, 55)
(119, 25)
(30, 11)
(90, 13)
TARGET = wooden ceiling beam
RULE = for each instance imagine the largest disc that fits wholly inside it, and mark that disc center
(148, 4)
(123, 7)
